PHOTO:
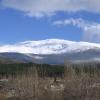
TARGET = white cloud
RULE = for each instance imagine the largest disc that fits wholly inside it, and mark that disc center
(92, 33)
(41, 8)
(91, 29)
(80, 23)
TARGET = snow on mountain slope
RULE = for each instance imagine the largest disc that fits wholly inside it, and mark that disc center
(49, 46)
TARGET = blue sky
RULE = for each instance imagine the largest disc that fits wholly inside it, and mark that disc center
(75, 20)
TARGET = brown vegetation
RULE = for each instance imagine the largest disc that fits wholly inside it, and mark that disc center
(76, 84)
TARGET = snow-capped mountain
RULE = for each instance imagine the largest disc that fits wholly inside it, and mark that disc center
(52, 51)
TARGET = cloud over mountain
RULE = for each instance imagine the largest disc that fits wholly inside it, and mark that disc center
(40, 8)
(91, 29)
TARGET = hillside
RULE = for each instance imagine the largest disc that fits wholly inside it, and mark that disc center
(52, 51)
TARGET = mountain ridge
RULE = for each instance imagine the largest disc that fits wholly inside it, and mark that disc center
(52, 51)
(48, 46)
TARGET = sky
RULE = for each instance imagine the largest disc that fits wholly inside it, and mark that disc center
(74, 20)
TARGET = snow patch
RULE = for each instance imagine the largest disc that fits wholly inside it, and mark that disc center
(49, 46)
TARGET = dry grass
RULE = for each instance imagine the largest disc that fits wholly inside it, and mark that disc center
(73, 86)
(82, 86)
(33, 87)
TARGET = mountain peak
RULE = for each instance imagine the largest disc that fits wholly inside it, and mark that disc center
(49, 46)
